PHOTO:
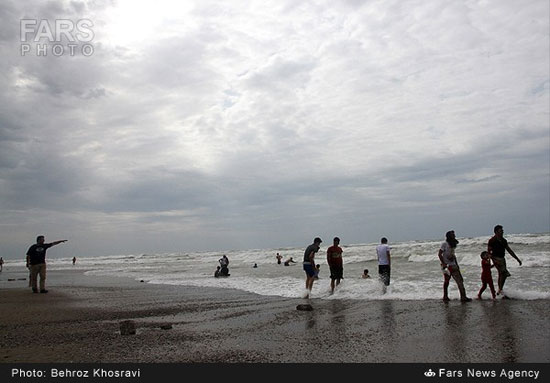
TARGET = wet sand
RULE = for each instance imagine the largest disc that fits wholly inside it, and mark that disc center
(78, 321)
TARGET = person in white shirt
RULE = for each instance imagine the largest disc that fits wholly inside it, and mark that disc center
(450, 268)
(384, 262)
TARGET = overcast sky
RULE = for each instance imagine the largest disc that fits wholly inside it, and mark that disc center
(217, 125)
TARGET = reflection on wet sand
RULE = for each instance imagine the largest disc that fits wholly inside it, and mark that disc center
(500, 326)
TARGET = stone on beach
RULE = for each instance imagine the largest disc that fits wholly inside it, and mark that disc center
(304, 307)
(127, 327)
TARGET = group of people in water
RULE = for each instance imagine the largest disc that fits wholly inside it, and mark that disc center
(336, 265)
(493, 257)
(288, 262)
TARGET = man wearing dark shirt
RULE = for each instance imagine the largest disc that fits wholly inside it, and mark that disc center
(497, 248)
(309, 264)
(36, 261)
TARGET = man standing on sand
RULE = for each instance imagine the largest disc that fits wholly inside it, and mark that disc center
(335, 263)
(450, 268)
(497, 247)
(309, 264)
(36, 260)
(384, 262)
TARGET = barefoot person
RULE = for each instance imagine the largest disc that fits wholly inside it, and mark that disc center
(497, 248)
(36, 260)
(450, 267)
(335, 263)
(309, 264)
(486, 276)
(384, 262)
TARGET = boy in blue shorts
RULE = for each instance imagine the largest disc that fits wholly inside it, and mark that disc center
(309, 263)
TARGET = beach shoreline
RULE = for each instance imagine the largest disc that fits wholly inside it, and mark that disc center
(78, 321)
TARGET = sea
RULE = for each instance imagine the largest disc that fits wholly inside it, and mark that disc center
(415, 270)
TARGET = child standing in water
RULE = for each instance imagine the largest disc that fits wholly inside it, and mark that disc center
(486, 276)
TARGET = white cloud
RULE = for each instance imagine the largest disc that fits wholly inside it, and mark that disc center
(256, 124)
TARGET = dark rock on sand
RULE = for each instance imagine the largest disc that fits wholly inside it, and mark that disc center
(127, 327)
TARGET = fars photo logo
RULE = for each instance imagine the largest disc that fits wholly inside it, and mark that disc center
(60, 37)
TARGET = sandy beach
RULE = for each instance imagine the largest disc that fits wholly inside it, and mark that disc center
(78, 321)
